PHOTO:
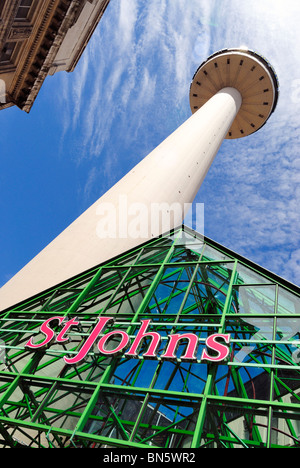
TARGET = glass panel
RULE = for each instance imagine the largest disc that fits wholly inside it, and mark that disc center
(184, 254)
(167, 425)
(287, 385)
(134, 373)
(285, 429)
(185, 238)
(210, 254)
(244, 329)
(125, 299)
(255, 299)
(288, 329)
(182, 377)
(288, 354)
(243, 382)
(248, 276)
(231, 426)
(154, 255)
(288, 303)
(171, 290)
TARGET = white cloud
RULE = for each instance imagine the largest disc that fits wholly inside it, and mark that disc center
(127, 23)
(292, 267)
(90, 182)
(78, 87)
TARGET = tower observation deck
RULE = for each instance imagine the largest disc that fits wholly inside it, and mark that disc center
(248, 73)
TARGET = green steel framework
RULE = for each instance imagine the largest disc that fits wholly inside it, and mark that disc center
(183, 283)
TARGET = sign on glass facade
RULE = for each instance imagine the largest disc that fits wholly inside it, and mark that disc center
(181, 285)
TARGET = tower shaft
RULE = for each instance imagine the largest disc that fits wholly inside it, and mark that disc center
(168, 178)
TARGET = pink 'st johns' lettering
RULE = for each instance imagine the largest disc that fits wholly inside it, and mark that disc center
(47, 331)
(119, 348)
(191, 352)
(136, 345)
(102, 322)
(61, 337)
(214, 345)
(111, 345)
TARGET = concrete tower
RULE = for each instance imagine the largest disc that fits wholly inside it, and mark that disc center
(232, 95)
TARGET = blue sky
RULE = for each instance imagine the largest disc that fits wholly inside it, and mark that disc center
(129, 91)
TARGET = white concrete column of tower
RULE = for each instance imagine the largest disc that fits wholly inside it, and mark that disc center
(232, 95)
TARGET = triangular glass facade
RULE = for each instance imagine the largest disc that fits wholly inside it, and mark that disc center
(184, 284)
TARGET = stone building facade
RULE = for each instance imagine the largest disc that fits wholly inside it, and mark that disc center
(38, 38)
